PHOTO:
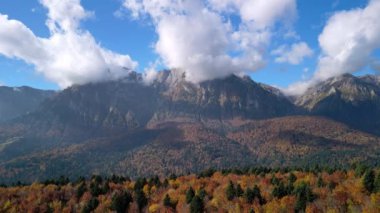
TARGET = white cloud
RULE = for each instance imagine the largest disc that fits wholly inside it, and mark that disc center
(194, 35)
(264, 13)
(70, 55)
(348, 41)
(293, 54)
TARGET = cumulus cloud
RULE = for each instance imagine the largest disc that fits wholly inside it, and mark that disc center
(70, 55)
(197, 37)
(264, 13)
(347, 42)
(293, 54)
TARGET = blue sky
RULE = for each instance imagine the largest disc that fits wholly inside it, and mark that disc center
(137, 37)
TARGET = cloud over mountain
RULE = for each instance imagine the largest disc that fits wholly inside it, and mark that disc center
(347, 42)
(70, 55)
(197, 36)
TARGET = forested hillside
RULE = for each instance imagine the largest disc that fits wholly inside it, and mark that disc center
(246, 190)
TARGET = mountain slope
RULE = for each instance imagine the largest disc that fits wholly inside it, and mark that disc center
(173, 126)
(17, 101)
(349, 99)
(181, 147)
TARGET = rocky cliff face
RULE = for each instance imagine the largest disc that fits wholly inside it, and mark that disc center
(349, 99)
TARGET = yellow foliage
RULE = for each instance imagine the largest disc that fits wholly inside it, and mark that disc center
(6, 205)
(146, 189)
(332, 210)
(153, 189)
(154, 208)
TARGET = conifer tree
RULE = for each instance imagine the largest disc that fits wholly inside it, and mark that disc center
(167, 201)
(190, 195)
(369, 181)
(230, 191)
(196, 205)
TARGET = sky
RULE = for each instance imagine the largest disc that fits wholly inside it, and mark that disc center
(290, 44)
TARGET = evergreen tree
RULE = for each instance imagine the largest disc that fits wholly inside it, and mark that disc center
(252, 194)
(320, 182)
(369, 181)
(331, 185)
(279, 191)
(140, 183)
(360, 169)
(141, 199)
(274, 180)
(304, 195)
(81, 190)
(239, 191)
(95, 189)
(292, 178)
(230, 191)
(249, 195)
(377, 183)
(167, 201)
(190, 195)
(202, 193)
(196, 205)
(90, 205)
(120, 202)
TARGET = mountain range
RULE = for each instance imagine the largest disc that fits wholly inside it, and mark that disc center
(170, 125)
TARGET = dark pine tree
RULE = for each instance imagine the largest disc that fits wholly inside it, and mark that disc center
(190, 195)
(230, 191)
(377, 183)
(239, 191)
(196, 205)
(369, 181)
(141, 199)
(121, 201)
(167, 201)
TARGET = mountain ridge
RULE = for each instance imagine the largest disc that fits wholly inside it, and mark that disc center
(174, 126)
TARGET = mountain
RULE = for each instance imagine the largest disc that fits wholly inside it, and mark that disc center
(17, 101)
(97, 109)
(180, 147)
(170, 125)
(348, 99)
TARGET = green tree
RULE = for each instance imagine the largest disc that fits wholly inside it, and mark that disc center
(360, 169)
(81, 190)
(279, 191)
(304, 195)
(190, 195)
(95, 189)
(202, 193)
(140, 183)
(167, 201)
(239, 191)
(121, 201)
(274, 180)
(249, 195)
(141, 199)
(230, 191)
(90, 205)
(292, 178)
(377, 183)
(196, 205)
(320, 182)
(369, 181)
(252, 194)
